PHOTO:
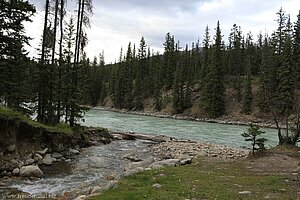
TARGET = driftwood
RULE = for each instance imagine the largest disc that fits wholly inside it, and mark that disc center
(133, 136)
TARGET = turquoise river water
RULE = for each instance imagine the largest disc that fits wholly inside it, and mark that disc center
(229, 135)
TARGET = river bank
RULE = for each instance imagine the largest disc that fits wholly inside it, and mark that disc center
(222, 120)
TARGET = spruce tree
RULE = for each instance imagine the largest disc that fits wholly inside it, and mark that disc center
(296, 48)
(214, 90)
(14, 65)
(247, 91)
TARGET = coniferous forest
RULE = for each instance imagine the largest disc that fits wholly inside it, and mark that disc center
(54, 86)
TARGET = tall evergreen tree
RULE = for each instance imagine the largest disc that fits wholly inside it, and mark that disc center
(214, 90)
(296, 48)
(14, 65)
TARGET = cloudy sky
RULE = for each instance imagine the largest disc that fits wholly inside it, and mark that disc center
(117, 22)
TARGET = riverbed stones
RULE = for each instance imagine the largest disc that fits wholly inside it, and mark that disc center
(31, 171)
(11, 148)
(47, 159)
(16, 172)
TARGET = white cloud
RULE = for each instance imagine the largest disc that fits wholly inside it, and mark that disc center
(117, 22)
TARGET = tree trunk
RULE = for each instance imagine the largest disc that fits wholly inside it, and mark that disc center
(41, 100)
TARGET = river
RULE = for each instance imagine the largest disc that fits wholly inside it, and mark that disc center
(229, 135)
(92, 166)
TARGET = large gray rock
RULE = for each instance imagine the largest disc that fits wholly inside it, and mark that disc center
(31, 171)
(11, 148)
(47, 159)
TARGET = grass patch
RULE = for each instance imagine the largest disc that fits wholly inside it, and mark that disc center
(9, 114)
(204, 179)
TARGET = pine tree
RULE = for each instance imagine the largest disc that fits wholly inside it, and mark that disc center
(247, 91)
(14, 66)
(296, 48)
(214, 90)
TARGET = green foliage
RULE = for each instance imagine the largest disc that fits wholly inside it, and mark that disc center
(247, 94)
(252, 135)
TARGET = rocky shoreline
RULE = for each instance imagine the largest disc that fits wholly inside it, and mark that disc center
(167, 152)
(223, 120)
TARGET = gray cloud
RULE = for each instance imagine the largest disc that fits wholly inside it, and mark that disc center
(117, 22)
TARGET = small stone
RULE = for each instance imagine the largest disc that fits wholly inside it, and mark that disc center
(282, 190)
(14, 161)
(47, 159)
(81, 197)
(21, 164)
(186, 161)
(37, 157)
(1, 154)
(74, 151)
(57, 155)
(11, 148)
(16, 172)
(245, 192)
(43, 152)
(29, 161)
(96, 189)
(156, 185)
(110, 177)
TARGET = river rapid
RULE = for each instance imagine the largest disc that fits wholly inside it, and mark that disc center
(94, 164)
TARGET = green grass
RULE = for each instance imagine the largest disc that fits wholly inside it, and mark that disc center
(202, 180)
(9, 114)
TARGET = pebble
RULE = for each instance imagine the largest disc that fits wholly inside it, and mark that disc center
(16, 172)
(11, 148)
(43, 152)
(156, 185)
(245, 192)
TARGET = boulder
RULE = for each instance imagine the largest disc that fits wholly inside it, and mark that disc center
(29, 161)
(31, 171)
(11, 148)
(42, 152)
(16, 172)
(47, 159)
(37, 157)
